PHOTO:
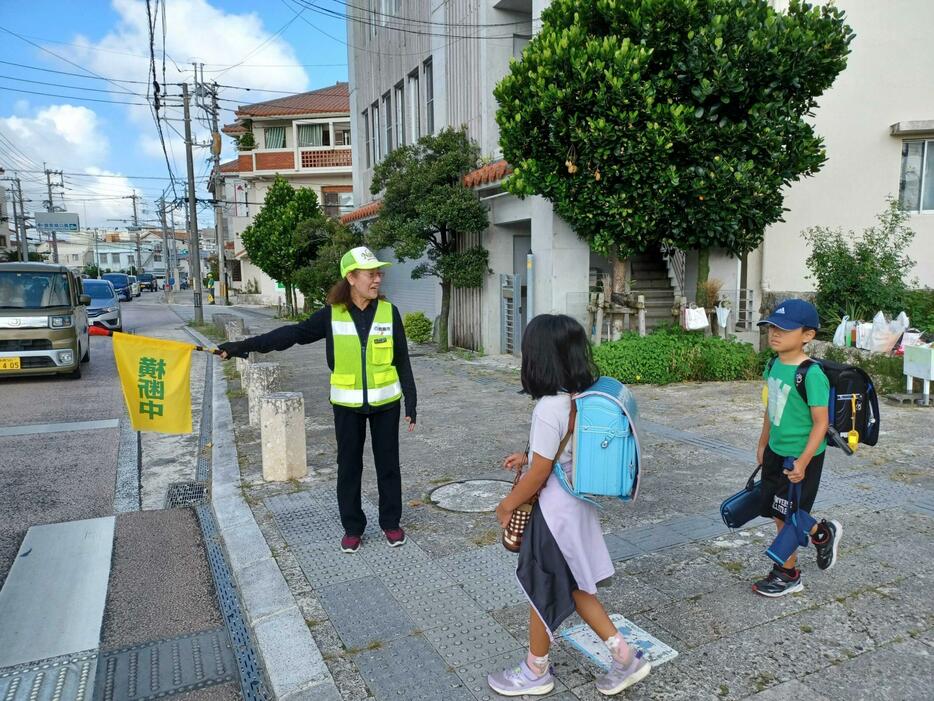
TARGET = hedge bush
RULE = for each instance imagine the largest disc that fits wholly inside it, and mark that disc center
(418, 327)
(919, 306)
(674, 355)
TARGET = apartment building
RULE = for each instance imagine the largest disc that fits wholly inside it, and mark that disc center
(406, 81)
(305, 138)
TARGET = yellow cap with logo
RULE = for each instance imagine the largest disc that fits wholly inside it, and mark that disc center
(360, 258)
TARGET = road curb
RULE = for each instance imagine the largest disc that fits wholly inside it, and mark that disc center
(293, 663)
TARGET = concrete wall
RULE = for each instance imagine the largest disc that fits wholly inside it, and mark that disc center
(887, 80)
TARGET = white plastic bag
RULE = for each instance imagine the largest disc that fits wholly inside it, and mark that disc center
(863, 335)
(884, 334)
(839, 336)
(723, 315)
(695, 318)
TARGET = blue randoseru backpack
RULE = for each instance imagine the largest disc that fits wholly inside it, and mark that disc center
(606, 452)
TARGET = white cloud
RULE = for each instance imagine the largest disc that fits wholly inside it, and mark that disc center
(59, 134)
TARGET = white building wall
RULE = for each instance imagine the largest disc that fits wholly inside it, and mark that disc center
(887, 80)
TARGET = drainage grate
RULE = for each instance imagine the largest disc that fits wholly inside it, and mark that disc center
(186, 494)
(251, 676)
(165, 667)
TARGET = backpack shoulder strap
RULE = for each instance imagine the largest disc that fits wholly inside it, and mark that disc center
(567, 436)
(800, 374)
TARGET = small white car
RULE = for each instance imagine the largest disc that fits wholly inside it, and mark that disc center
(134, 284)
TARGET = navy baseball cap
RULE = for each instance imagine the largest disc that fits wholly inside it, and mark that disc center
(793, 314)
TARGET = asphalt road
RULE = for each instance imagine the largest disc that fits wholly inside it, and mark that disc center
(69, 475)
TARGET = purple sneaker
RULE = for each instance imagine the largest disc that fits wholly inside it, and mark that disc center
(621, 676)
(521, 680)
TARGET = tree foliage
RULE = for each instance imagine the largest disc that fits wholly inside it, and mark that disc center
(861, 274)
(278, 241)
(332, 240)
(426, 209)
(669, 122)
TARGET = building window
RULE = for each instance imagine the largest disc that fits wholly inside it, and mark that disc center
(916, 184)
(367, 137)
(2, 241)
(399, 136)
(236, 273)
(429, 98)
(313, 135)
(274, 137)
(374, 108)
(415, 127)
(387, 114)
(342, 134)
(336, 203)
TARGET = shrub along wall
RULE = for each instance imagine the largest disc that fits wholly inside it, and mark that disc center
(674, 355)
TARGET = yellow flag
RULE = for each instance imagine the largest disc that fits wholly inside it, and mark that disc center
(155, 377)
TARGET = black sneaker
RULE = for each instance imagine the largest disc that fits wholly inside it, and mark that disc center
(827, 549)
(778, 583)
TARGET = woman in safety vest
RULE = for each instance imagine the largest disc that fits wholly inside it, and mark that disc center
(370, 371)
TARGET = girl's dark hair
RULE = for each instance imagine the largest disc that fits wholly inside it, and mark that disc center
(556, 357)
(340, 293)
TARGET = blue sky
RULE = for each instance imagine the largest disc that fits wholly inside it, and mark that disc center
(271, 45)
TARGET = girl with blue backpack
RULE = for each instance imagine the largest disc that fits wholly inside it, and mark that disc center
(563, 554)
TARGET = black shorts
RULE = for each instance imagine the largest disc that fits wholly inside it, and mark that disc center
(775, 485)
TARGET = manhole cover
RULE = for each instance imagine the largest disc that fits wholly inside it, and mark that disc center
(186, 494)
(471, 496)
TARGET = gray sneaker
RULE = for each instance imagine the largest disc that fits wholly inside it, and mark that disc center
(622, 677)
(521, 680)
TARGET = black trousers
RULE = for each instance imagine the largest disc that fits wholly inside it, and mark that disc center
(350, 427)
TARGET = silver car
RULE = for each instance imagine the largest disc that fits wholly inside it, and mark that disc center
(135, 286)
(104, 309)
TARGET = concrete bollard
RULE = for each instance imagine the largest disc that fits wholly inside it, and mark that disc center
(234, 327)
(282, 427)
(264, 379)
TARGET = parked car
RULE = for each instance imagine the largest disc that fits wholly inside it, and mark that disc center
(147, 281)
(134, 285)
(104, 309)
(43, 320)
(121, 283)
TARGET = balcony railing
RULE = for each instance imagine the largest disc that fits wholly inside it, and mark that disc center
(298, 159)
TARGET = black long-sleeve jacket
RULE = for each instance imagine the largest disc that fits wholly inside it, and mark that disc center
(318, 326)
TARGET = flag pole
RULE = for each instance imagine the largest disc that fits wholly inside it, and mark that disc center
(100, 331)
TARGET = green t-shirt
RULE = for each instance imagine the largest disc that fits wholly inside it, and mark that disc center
(789, 416)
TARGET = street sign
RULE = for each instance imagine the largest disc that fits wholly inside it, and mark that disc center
(57, 221)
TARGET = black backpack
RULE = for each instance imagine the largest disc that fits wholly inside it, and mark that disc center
(846, 381)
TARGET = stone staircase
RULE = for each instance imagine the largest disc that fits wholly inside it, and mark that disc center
(650, 279)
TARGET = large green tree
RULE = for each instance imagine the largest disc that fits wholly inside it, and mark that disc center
(426, 211)
(669, 122)
(277, 241)
(332, 241)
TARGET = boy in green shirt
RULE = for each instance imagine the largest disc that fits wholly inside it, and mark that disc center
(794, 432)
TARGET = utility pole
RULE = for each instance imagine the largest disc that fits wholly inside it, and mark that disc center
(175, 273)
(19, 220)
(194, 247)
(51, 208)
(139, 255)
(165, 243)
(218, 185)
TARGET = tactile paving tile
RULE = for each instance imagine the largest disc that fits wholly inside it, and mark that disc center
(431, 609)
(382, 558)
(166, 667)
(363, 611)
(424, 576)
(488, 575)
(471, 639)
(409, 669)
(474, 677)
(324, 564)
(620, 548)
(66, 678)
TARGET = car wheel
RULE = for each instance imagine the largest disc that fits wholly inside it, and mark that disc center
(76, 375)
(86, 358)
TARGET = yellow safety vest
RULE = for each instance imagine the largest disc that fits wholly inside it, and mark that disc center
(350, 360)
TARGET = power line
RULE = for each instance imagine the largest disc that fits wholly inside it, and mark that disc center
(55, 85)
(72, 73)
(73, 97)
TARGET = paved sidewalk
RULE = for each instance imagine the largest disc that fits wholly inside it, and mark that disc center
(429, 620)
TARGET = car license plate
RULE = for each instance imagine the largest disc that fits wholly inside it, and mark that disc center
(9, 364)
